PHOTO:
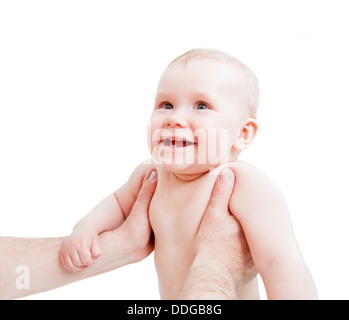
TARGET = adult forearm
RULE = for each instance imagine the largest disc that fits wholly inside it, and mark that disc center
(29, 266)
(207, 281)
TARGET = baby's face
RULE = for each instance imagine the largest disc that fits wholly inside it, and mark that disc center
(197, 116)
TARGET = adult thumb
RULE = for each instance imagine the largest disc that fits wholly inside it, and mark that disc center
(222, 191)
(145, 195)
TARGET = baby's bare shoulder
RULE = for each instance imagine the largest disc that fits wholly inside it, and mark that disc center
(254, 191)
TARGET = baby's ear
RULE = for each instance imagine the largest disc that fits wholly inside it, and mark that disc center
(247, 134)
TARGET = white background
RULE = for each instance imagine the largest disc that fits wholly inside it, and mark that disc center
(77, 82)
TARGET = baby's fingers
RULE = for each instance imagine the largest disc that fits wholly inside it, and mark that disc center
(85, 256)
(96, 249)
(68, 264)
(76, 261)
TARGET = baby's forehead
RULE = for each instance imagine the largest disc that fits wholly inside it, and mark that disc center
(204, 71)
(221, 70)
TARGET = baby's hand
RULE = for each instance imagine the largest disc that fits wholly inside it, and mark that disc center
(80, 249)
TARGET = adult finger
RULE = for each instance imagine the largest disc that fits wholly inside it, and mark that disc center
(222, 191)
(136, 229)
(145, 195)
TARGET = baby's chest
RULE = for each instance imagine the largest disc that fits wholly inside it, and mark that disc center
(176, 210)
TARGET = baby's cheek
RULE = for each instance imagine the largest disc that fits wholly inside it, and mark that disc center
(214, 147)
(149, 135)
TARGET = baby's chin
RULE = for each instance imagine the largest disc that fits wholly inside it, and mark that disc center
(189, 169)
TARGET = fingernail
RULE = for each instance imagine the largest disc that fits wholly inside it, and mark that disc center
(153, 176)
(226, 175)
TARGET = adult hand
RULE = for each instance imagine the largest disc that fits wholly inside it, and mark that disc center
(220, 235)
(223, 261)
(136, 231)
(40, 256)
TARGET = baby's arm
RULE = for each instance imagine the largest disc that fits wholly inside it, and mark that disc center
(82, 246)
(262, 211)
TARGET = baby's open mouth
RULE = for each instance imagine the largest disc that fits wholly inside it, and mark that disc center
(177, 143)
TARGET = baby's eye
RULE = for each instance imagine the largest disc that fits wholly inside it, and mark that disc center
(167, 106)
(201, 106)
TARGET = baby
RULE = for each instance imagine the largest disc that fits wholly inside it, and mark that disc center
(204, 116)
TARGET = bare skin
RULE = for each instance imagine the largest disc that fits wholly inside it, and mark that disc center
(222, 262)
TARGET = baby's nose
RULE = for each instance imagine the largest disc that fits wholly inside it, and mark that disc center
(177, 119)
